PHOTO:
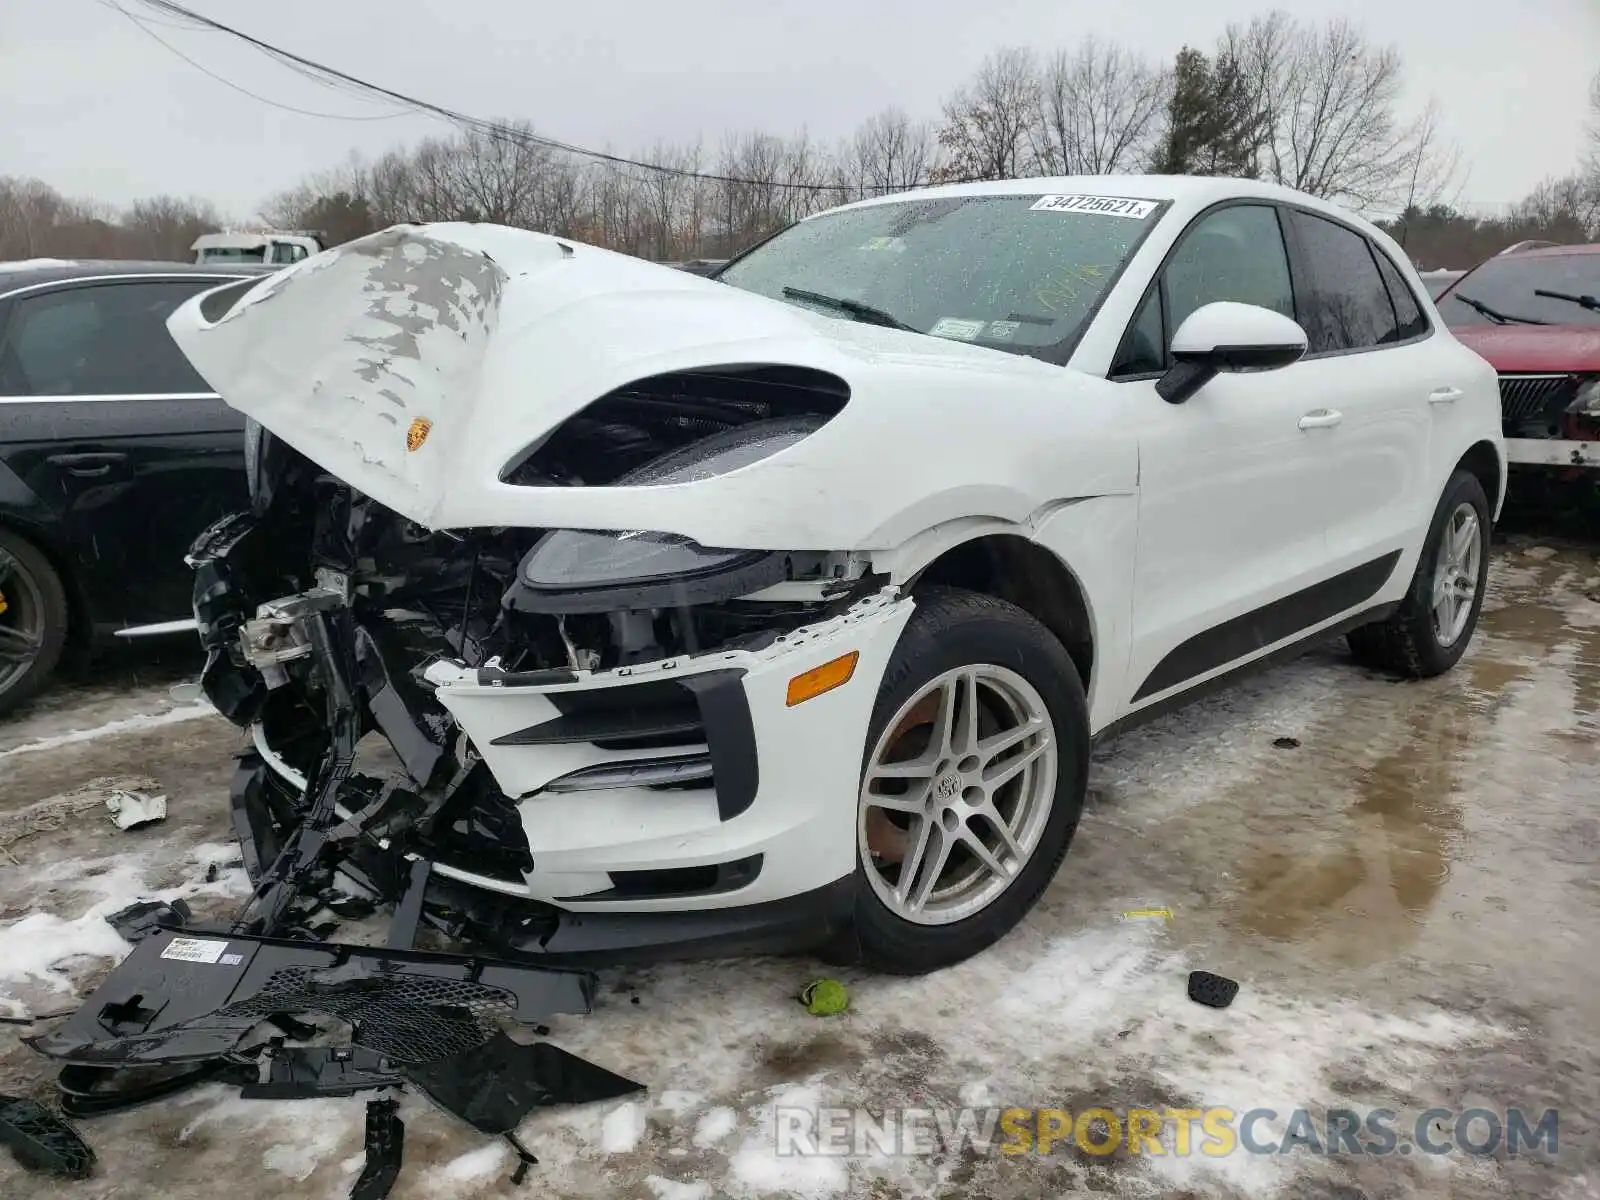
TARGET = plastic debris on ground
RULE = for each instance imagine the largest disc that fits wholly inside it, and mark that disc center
(135, 810)
(42, 1142)
(137, 920)
(386, 1135)
(1214, 991)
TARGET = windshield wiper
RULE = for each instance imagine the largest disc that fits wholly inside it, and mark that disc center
(1495, 315)
(1588, 302)
(858, 310)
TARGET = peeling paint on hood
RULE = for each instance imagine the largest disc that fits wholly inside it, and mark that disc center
(478, 340)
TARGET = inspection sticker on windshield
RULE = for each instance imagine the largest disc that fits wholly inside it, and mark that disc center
(200, 950)
(1104, 206)
(955, 327)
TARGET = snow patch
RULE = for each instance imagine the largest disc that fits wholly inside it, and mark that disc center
(668, 1189)
(173, 716)
(678, 1102)
(623, 1127)
(472, 1167)
(717, 1124)
(758, 1167)
(40, 946)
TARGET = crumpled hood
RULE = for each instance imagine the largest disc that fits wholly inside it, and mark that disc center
(418, 363)
(1534, 349)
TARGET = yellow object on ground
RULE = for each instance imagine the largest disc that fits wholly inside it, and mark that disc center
(825, 997)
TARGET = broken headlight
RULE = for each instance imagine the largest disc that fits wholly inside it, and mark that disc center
(573, 570)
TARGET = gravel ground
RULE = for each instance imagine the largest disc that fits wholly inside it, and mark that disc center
(1401, 876)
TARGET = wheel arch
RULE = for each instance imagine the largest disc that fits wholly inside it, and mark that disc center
(1017, 569)
(1483, 460)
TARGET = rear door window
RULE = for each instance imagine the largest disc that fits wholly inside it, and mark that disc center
(1344, 304)
(101, 339)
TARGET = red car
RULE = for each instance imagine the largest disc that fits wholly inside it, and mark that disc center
(1535, 315)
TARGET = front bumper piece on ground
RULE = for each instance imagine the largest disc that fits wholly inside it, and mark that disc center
(191, 1006)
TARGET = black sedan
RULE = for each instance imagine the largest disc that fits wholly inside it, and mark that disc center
(114, 454)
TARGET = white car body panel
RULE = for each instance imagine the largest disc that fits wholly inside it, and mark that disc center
(802, 820)
(1172, 520)
(495, 336)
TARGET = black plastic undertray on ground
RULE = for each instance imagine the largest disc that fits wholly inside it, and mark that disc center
(183, 996)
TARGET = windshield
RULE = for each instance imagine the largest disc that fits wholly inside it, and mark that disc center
(1507, 285)
(234, 254)
(1018, 273)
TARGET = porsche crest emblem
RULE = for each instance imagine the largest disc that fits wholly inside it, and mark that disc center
(417, 433)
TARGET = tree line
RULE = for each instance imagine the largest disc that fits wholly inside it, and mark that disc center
(1316, 107)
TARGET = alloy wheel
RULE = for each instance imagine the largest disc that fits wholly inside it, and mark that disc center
(22, 620)
(964, 775)
(1455, 577)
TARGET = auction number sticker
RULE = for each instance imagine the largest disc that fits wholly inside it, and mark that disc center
(199, 950)
(1104, 206)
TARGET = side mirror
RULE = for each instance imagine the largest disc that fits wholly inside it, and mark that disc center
(1227, 336)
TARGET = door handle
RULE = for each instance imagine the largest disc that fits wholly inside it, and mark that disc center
(1321, 418)
(1444, 395)
(88, 466)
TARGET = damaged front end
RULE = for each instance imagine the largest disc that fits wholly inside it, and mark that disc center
(356, 646)
(333, 630)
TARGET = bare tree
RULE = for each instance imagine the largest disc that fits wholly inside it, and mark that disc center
(1591, 165)
(889, 153)
(1329, 100)
(1099, 110)
(988, 122)
(164, 228)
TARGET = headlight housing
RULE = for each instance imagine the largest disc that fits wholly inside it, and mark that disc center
(1587, 401)
(575, 570)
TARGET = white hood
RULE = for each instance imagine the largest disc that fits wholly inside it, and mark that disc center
(489, 338)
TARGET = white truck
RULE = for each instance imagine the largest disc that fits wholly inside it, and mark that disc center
(271, 247)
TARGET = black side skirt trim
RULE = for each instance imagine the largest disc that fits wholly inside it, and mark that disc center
(1227, 679)
(1243, 636)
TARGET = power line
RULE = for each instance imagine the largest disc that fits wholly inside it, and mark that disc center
(145, 29)
(491, 129)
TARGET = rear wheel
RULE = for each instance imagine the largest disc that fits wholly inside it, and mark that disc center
(33, 620)
(974, 780)
(1430, 631)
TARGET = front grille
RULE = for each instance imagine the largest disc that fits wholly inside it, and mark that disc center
(1536, 397)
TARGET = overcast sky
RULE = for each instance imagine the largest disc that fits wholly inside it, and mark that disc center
(95, 107)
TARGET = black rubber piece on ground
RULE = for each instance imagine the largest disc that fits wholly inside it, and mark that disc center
(386, 1138)
(57, 615)
(1214, 991)
(1286, 743)
(41, 1141)
(493, 1087)
(952, 628)
(1406, 644)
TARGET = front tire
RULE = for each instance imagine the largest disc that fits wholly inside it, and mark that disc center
(33, 623)
(1430, 631)
(972, 785)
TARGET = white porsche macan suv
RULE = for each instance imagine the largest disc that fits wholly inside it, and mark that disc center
(785, 606)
